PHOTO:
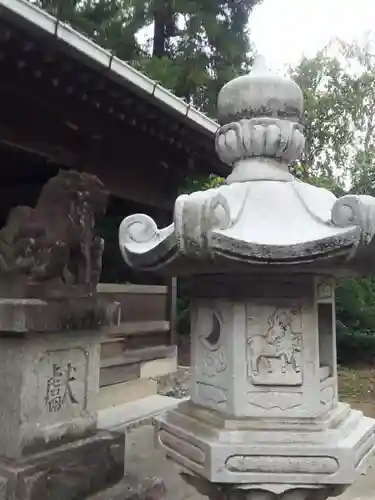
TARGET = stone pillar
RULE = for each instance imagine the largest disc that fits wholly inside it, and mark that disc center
(52, 323)
(48, 429)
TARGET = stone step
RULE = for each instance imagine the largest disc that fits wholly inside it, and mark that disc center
(140, 327)
(112, 396)
(135, 413)
(118, 372)
(71, 471)
(136, 363)
(116, 344)
(136, 355)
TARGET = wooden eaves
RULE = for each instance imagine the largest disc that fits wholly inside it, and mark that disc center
(94, 108)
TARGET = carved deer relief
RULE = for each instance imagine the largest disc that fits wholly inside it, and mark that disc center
(279, 343)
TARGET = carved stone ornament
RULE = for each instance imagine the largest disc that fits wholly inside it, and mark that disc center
(250, 219)
(54, 245)
(274, 353)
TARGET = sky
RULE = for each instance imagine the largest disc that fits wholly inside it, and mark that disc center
(285, 30)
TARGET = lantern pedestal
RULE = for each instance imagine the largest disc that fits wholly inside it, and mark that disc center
(272, 453)
(264, 408)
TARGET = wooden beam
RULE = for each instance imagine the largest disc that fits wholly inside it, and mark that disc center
(109, 288)
(45, 68)
(139, 328)
(136, 355)
(30, 141)
(95, 123)
(111, 375)
(124, 168)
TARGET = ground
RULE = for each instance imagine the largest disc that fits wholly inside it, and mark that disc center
(357, 386)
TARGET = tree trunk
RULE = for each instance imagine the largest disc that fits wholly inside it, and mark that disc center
(164, 28)
(159, 31)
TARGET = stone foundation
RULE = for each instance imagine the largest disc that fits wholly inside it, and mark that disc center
(68, 472)
(50, 445)
(326, 452)
(260, 492)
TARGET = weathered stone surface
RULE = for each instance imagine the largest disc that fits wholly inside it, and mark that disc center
(3, 488)
(48, 387)
(277, 353)
(253, 492)
(264, 251)
(52, 250)
(133, 488)
(262, 218)
(51, 328)
(248, 96)
(38, 315)
(258, 451)
(263, 377)
(70, 472)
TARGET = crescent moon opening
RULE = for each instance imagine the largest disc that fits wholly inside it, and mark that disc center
(212, 339)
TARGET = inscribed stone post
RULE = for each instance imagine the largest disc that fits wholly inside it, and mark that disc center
(51, 326)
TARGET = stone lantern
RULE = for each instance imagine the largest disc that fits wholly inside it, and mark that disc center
(262, 254)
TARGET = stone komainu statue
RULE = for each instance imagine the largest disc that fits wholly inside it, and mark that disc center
(56, 240)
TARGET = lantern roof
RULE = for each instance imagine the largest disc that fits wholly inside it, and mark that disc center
(260, 93)
(263, 218)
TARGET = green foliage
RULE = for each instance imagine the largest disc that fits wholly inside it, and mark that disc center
(201, 183)
(339, 117)
(355, 312)
(327, 121)
(339, 121)
(355, 348)
(163, 70)
(113, 24)
(356, 305)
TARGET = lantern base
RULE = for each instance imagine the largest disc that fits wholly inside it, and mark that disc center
(261, 492)
(327, 451)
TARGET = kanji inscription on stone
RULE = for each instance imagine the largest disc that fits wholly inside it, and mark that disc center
(63, 381)
(59, 387)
